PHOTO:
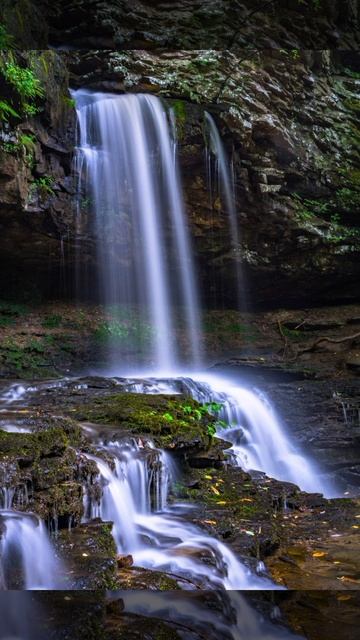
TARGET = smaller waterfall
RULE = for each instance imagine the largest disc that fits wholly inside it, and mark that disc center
(225, 181)
(258, 440)
(26, 555)
(159, 537)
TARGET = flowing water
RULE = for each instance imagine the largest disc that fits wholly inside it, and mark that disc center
(128, 175)
(224, 182)
(27, 558)
(259, 442)
(157, 535)
(127, 168)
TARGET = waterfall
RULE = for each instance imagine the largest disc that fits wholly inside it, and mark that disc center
(26, 554)
(159, 536)
(259, 442)
(225, 183)
(128, 170)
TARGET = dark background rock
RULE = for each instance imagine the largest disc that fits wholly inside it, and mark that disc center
(289, 122)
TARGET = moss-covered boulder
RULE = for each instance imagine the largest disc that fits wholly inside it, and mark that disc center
(43, 471)
(171, 421)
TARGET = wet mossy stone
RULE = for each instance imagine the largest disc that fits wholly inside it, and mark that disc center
(45, 443)
(89, 552)
(172, 421)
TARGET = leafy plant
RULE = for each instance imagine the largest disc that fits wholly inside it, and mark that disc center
(7, 111)
(23, 80)
(43, 186)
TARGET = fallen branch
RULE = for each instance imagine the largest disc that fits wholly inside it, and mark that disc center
(313, 346)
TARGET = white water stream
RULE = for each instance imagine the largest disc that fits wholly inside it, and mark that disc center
(26, 552)
(127, 168)
(225, 186)
(159, 536)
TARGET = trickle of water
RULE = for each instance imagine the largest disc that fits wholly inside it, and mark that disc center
(128, 170)
(26, 554)
(226, 188)
(13, 394)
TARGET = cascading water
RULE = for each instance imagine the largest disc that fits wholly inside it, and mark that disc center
(159, 537)
(225, 186)
(26, 555)
(259, 442)
(128, 169)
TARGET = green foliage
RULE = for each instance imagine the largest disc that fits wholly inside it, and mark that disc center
(42, 186)
(307, 210)
(292, 53)
(353, 104)
(6, 321)
(6, 40)
(348, 199)
(180, 116)
(13, 309)
(9, 147)
(27, 360)
(23, 80)
(352, 74)
(52, 321)
(25, 144)
(7, 111)
(69, 102)
(126, 329)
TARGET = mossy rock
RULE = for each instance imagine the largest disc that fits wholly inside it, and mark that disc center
(30, 447)
(144, 579)
(49, 442)
(60, 503)
(89, 552)
(173, 422)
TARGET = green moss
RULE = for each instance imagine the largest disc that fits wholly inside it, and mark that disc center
(167, 419)
(179, 108)
(29, 359)
(353, 104)
(50, 441)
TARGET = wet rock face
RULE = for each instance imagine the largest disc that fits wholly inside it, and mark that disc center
(37, 187)
(289, 123)
(325, 419)
(184, 24)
